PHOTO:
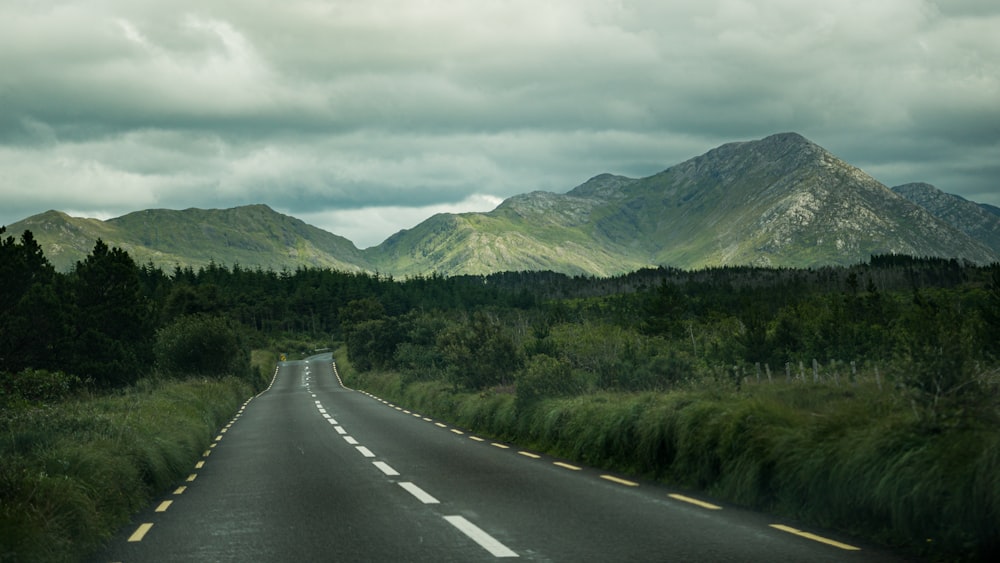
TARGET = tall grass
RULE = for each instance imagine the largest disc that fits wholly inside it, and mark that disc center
(72, 473)
(851, 458)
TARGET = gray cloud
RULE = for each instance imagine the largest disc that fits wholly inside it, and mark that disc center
(374, 112)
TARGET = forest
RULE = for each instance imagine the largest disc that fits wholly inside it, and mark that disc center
(909, 342)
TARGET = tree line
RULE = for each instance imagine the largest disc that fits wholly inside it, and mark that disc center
(933, 323)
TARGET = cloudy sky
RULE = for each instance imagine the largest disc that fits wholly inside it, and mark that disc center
(364, 117)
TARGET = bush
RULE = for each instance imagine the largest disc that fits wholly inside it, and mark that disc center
(202, 344)
(546, 376)
(38, 386)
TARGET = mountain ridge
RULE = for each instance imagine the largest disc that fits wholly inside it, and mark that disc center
(778, 201)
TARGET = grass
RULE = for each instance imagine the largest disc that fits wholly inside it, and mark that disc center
(850, 458)
(72, 473)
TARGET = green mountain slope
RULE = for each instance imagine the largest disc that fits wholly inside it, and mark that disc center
(251, 236)
(779, 201)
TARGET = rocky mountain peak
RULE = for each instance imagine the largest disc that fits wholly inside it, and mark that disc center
(603, 186)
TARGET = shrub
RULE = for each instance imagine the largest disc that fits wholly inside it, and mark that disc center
(202, 344)
(38, 385)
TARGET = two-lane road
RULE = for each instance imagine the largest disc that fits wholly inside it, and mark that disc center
(312, 471)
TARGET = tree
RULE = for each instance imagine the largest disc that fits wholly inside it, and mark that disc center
(479, 353)
(114, 327)
(31, 309)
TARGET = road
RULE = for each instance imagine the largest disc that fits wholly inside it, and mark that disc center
(312, 471)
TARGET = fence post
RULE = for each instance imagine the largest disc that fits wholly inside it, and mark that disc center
(767, 368)
(815, 371)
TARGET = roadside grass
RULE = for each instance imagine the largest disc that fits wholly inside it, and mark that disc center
(851, 458)
(73, 472)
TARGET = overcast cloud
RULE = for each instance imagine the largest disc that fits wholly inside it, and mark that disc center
(364, 117)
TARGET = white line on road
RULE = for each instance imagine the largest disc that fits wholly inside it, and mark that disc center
(350, 440)
(486, 541)
(385, 468)
(332, 421)
(365, 451)
(421, 495)
(340, 429)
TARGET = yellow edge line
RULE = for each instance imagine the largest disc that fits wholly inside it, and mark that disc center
(164, 506)
(529, 454)
(140, 532)
(620, 481)
(814, 537)
(566, 465)
(695, 502)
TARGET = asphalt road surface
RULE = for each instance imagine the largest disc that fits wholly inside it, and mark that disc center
(312, 471)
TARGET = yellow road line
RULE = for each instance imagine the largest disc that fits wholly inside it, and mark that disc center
(199, 465)
(565, 465)
(501, 446)
(192, 477)
(140, 532)
(440, 425)
(620, 481)
(180, 490)
(814, 537)
(529, 454)
(476, 438)
(164, 506)
(695, 502)
(457, 431)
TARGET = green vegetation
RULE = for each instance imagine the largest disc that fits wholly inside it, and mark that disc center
(862, 398)
(74, 471)
(854, 457)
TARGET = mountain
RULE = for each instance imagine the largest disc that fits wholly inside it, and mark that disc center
(537, 231)
(779, 201)
(251, 236)
(980, 222)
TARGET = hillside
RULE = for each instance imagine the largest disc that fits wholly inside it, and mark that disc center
(251, 236)
(779, 201)
(980, 222)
